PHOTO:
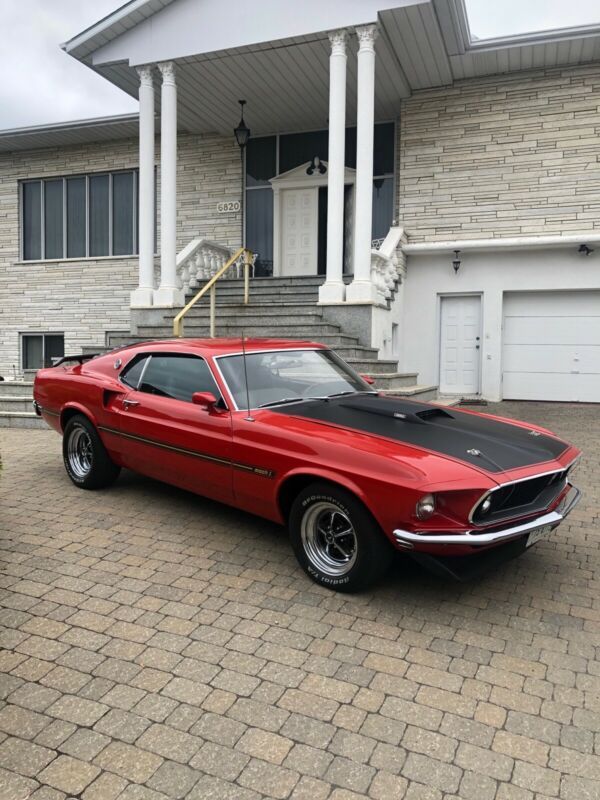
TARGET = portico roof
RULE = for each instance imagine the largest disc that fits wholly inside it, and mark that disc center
(275, 54)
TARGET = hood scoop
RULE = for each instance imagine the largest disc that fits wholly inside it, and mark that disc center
(400, 411)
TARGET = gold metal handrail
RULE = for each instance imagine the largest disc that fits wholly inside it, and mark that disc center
(212, 287)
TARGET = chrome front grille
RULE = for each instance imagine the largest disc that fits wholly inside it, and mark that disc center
(519, 498)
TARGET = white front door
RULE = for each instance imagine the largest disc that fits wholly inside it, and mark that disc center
(299, 231)
(460, 345)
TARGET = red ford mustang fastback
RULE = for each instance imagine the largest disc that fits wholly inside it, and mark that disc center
(288, 431)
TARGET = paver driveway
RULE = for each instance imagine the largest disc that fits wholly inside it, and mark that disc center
(158, 645)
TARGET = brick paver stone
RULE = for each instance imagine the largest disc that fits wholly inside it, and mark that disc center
(158, 646)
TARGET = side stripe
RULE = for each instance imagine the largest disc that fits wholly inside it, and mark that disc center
(263, 472)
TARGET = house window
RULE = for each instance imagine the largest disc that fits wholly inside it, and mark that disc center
(41, 349)
(81, 216)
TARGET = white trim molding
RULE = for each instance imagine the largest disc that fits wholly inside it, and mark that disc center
(510, 243)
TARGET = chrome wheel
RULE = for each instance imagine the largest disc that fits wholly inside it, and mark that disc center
(80, 452)
(329, 539)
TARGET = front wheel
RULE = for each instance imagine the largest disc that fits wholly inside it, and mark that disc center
(86, 460)
(336, 540)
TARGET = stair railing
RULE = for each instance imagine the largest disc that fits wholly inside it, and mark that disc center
(241, 257)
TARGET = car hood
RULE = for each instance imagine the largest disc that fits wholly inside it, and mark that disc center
(490, 445)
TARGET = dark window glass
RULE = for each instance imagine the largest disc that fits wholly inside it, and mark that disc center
(178, 377)
(132, 373)
(54, 348)
(383, 206)
(76, 209)
(32, 224)
(33, 352)
(99, 215)
(350, 149)
(260, 160)
(383, 149)
(122, 213)
(259, 228)
(53, 219)
(297, 148)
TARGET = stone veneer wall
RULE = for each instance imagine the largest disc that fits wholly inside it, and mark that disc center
(509, 155)
(86, 297)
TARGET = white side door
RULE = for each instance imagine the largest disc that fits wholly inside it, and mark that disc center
(299, 231)
(460, 345)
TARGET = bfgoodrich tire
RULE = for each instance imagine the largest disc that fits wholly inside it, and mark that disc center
(87, 463)
(336, 540)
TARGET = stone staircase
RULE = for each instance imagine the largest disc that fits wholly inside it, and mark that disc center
(283, 308)
(16, 410)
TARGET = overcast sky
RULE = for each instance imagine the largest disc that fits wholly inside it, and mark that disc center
(41, 84)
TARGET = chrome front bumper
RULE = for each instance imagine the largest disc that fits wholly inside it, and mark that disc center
(407, 540)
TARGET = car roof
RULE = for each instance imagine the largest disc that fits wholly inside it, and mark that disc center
(222, 346)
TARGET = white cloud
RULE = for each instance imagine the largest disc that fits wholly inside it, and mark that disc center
(40, 83)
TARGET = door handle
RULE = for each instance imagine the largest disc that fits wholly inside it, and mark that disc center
(476, 347)
(130, 403)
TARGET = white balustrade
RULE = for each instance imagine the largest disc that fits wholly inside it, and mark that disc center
(199, 260)
(387, 263)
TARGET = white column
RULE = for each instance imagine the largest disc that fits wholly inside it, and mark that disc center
(332, 291)
(142, 296)
(361, 289)
(168, 293)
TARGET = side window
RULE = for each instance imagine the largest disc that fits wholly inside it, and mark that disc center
(132, 373)
(178, 377)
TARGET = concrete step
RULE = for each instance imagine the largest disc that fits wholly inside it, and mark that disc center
(262, 281)
(293, 299)
(21, 419)
(372, 367)
(348, 351)
(420, 393)
(262, 293)
(16, 389)
(447, 401)
(197, 329)
(250, 316)
(15, 403)
(394, 380)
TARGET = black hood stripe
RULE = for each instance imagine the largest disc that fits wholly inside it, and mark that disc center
(488, 444)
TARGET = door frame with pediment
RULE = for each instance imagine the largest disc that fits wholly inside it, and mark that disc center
(311, 175)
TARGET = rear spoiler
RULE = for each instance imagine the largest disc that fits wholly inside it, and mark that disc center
(78, 358)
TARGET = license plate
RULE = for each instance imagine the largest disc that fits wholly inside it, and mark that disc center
(538, 534)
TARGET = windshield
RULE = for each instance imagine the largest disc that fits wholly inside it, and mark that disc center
(288, 375)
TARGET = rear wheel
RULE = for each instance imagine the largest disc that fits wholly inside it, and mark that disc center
(336, 540)
(86, 460)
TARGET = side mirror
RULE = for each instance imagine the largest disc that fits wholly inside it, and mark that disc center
(205, 400)
(368, 379)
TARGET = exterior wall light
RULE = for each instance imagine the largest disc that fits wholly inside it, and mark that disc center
(585, 250)
(456, 262)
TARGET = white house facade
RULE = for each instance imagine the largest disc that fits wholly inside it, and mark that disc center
(428, 201)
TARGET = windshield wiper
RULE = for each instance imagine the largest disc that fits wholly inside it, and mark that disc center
(283, 401)
(342, 394)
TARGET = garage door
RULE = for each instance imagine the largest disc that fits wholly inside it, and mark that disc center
(551, 346)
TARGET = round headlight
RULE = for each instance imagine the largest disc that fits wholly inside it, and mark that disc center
(426, 506)
(485, 506)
